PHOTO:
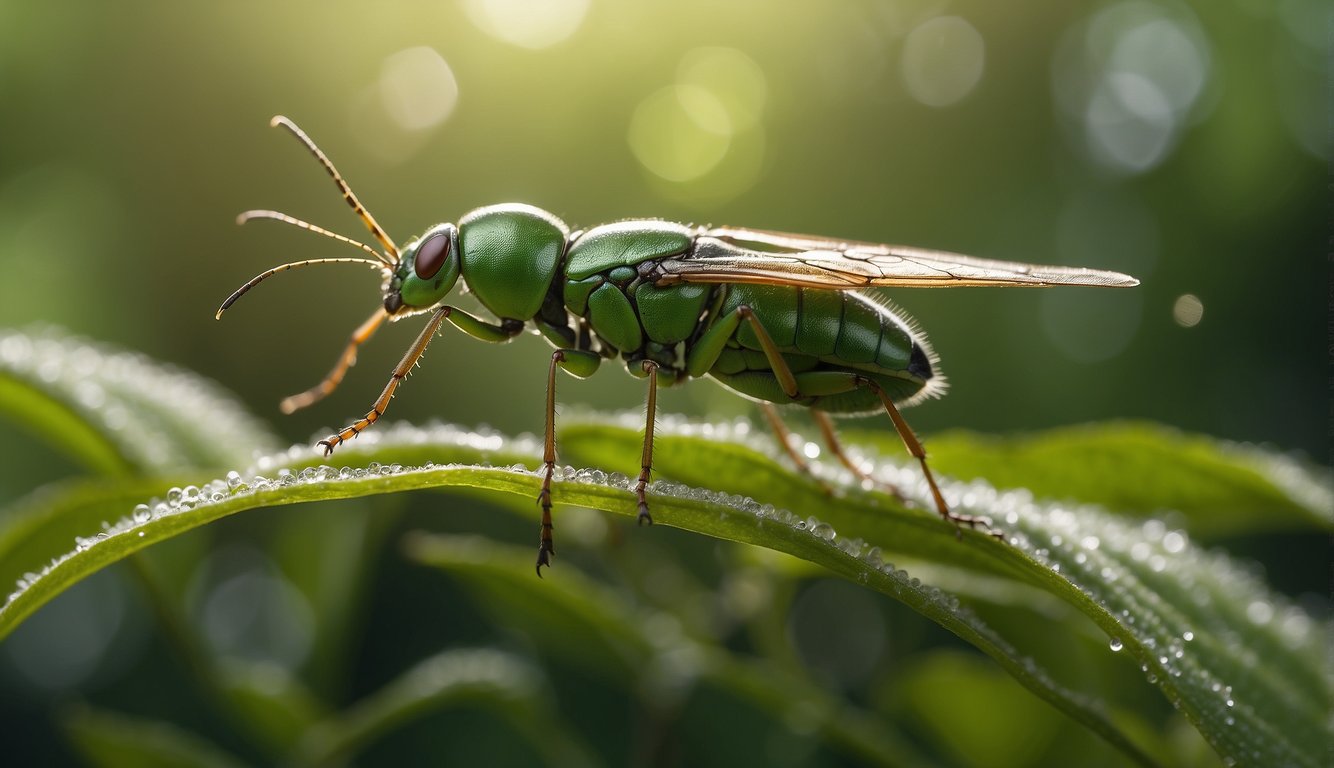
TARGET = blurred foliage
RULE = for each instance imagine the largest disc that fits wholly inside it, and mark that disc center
(1184, 143)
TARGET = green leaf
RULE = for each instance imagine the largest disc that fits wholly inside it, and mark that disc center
(1142, 583)
(111, 740)
(119, 413)
(269, 701)
(39, 528)
(1219, 486)
(498, 681)
(1243, 664)
(593, 627)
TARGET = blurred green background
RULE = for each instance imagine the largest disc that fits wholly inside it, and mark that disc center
(1185, 143)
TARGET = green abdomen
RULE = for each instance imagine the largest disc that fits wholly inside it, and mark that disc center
(817, 330)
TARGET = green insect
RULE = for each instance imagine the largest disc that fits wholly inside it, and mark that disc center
(779, 318)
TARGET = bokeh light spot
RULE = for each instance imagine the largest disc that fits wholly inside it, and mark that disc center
(1129, 77)
(1128, 122)
(1090, 325)
(680, 132)
(533, 24)
(943, 59)
(1188, 310)
(702, 139)
(65, 643)
(418, 88)
(731, 76)
(251, 611)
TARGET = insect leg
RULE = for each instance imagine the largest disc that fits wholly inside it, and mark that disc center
(581, 364)
(400, 373)
(545, 548)
(646, 462)
(480, 329)
(915, 448)
(835, 447)
(335, 377)
(784, 436)
(710, 345)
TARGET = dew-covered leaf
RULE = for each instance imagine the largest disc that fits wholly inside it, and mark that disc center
(1143, 583)
(1145, 469)
(40, 527)
(120, 413)
(1243, 664)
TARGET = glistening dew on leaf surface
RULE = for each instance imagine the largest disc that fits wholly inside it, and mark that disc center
(1243, 675)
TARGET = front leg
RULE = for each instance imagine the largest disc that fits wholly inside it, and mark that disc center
(473, 326)
(400, 373)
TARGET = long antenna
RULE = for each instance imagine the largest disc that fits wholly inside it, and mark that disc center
(366, 217)
(262, 276)
(276, 216)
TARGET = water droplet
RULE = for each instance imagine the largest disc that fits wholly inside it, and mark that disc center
(1115, 644)
(1260, 612)
(1188, 310)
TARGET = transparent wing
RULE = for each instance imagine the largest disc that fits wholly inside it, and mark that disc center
(734, 255)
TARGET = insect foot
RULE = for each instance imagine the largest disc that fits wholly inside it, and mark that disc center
(974, 522)
(544, 553)
(333, 441)
(546, 547)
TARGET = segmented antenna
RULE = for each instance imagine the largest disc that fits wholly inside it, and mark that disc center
(276, 216)
(365, 215)
(266, 274)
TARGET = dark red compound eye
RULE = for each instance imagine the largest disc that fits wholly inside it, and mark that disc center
(431, 256)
